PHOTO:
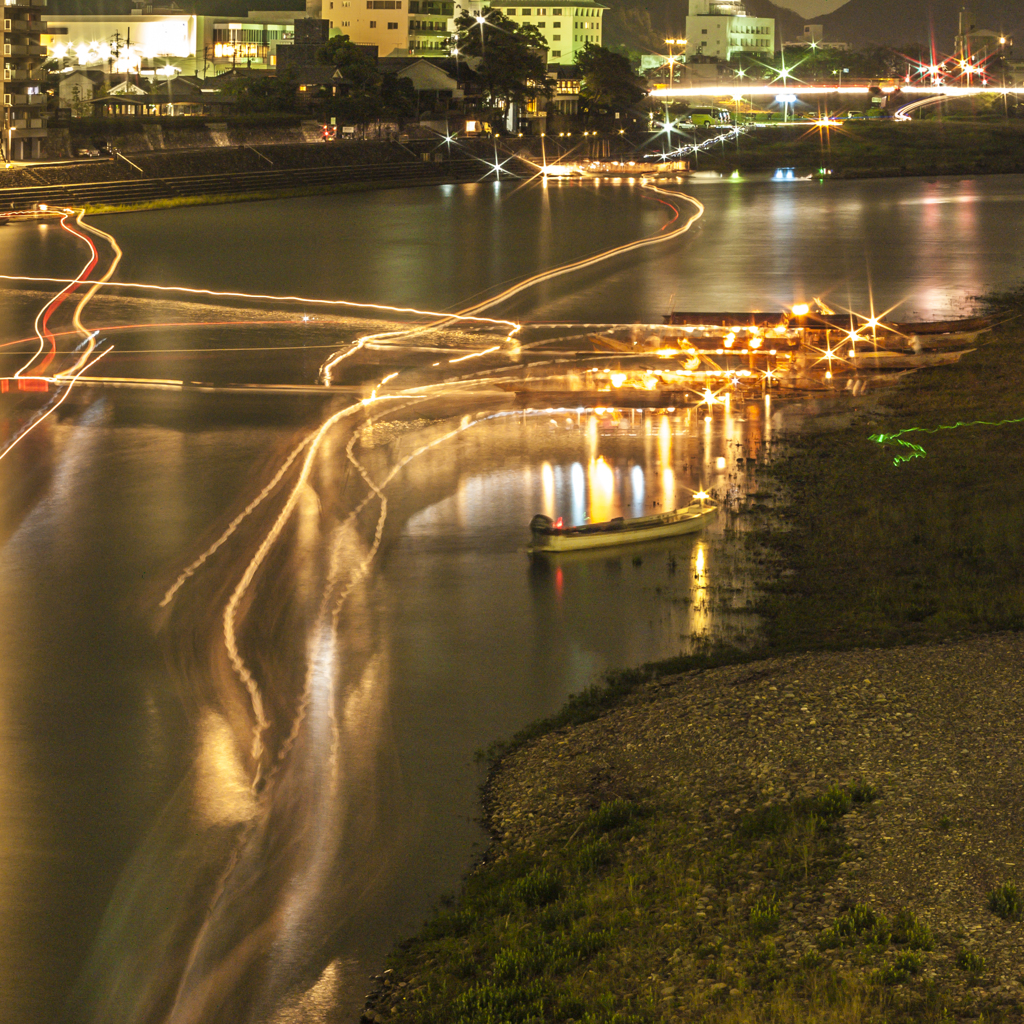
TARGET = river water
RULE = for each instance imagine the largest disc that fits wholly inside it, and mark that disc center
(145, 877)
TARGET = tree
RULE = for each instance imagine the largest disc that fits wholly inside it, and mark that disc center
(512, 66)
(266, 95)
(608, 79)
(367, 95)
(399, 98)
(358, 68)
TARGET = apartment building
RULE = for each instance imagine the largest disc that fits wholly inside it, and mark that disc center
(24, 95)
(723, 29)
(566, 30)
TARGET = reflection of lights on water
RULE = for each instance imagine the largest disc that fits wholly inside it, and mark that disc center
(668, 488)
(602, 490)
(638, 485)
(578, 491)
(698, 607)
(223, 793)
(547, 483)
(664, 443)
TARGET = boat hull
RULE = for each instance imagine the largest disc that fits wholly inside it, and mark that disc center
(606, 535)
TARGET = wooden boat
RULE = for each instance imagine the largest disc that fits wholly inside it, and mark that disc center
(904, 360)
(547, 537)
(617, 398)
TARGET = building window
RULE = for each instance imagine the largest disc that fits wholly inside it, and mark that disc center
(392, 25)
(540, 24)
(557, 39)
(556, 24)
(373, 24)
(556, 53)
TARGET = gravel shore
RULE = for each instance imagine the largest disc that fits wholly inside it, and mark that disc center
(938, 730)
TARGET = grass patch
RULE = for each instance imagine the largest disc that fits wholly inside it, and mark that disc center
(633, 913)
(970, 962)
(1006, 902)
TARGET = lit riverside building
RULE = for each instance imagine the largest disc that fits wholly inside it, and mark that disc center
(24, 104)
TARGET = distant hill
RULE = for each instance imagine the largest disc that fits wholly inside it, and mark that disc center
(894, 22)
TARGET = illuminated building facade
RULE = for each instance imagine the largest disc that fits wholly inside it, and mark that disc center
(151, 41)
(24, 95)
(566, 30)
(398, 28)
(716, 28)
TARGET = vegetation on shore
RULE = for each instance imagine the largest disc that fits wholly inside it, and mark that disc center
(586, 924)
(218, 199)
(878, 148)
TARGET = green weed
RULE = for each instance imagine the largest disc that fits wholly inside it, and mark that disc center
(1006, 902)
(972, 963)
(764, 915)
(900, 969)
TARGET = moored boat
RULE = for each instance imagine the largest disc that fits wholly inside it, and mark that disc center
(547, 536)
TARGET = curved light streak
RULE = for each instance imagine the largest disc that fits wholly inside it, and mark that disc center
(43, 316)
(90, 338)
(60, 401)
(590, 261)
(259, 296)
(231, 608)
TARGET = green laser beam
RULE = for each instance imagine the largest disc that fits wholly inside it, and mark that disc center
(915, 451)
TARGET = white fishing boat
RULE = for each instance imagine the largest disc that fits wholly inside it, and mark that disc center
(549, 536)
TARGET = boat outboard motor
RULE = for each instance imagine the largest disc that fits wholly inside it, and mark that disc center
(541, 523)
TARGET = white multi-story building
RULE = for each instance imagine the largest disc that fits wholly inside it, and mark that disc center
(722, 28)
(566, 30)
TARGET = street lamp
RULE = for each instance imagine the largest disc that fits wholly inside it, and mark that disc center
(671, 58)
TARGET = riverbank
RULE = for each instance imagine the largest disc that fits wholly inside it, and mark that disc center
(690, 855)
(829, 836)
(220, 199)
(199, 174)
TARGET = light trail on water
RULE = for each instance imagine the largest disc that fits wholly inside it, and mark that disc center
(197, 970)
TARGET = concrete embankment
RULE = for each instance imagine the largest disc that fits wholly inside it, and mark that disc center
(208, 172)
